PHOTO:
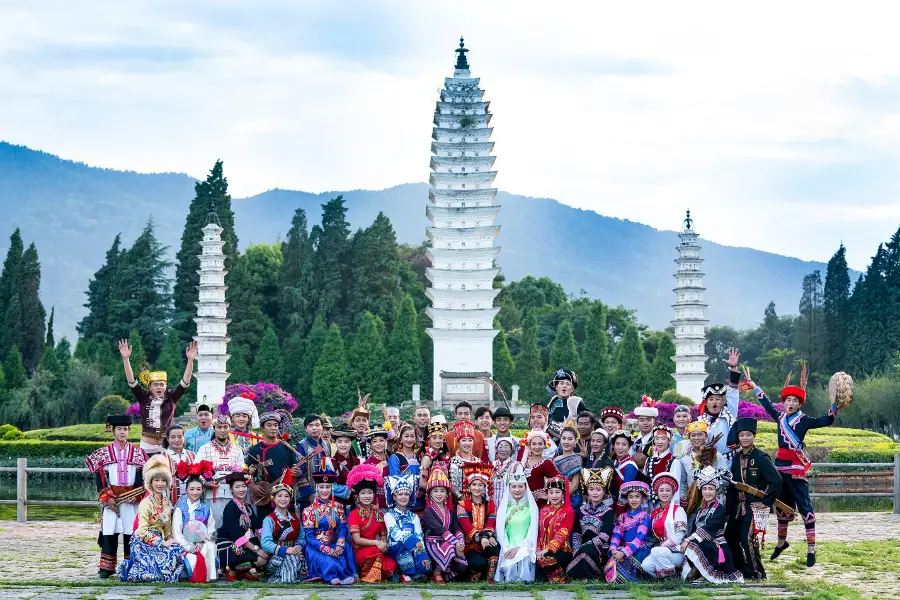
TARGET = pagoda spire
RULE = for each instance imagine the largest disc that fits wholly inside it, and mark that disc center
(690, 314)
(462, 63)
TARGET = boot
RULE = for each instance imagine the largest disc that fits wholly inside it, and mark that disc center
(810, 559)
(778, 550)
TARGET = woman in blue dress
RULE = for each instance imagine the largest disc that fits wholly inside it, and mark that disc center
(406, 459)
(329, 558)
(406, 543)
(630, 543)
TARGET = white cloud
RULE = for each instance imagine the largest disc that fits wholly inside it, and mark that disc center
(635, 110)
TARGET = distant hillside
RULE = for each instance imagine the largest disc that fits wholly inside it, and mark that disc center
(73, 211)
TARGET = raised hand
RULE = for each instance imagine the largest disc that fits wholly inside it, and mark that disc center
(191, 351)
(733, 358)
(747, 378)
(124, 349)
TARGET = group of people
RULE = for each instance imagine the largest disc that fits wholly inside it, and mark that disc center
(579, 498)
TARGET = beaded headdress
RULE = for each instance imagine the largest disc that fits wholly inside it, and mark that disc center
(602, 477)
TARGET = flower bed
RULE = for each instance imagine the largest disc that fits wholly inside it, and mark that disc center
(266, 396)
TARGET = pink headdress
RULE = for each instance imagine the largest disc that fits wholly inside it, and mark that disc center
(364, 472)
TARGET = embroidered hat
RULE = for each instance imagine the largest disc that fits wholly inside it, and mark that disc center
(405, 482)
(438, 478)
(613, 411)
(538, 408)
(602, 477)
(477, 471)
(244, 405)
(696, 427)
(709, 475)
(342, 431)
(562, 375)
(681, 408)
(557, 482)
(662, 429)
(713, 389)
(436, 427)
(619, 433)
(323, 470)
(535, 433)
(280, 416)
(516, 474)
(221, 419)
(376, 432)
(662, 478)
(280, 487)
(463, 429)
(364, 477)
(647, 408)
(634, 486)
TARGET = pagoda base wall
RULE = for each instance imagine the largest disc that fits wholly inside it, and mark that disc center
(461, 355)
(689, 384)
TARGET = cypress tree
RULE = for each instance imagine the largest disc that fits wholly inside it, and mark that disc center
(892, 283)
(269, 364)
(95, 324)
(2, 382)
(9, 283)
(296, 293)
(662, 367)
(868, 349)
(331, 243)
(16, 377)
(404, 363)
(64, 353)
(426, 352)
(12, 319)
(171, 358)
(140, 296)
(504, 371)
(374, 268)
(529, 367)
(237, 366)
(211, 194)
(32, 326)
(564, 352)
(630, 379)
(329, 383)
(50, 341)
(293, 362)
(248, 321)
(315, 341)
(836, 309)
(366, 359)
(138, 353)
(595, 376)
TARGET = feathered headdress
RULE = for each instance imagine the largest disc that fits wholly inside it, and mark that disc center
(792, 390)
(362, 406)
(499, 389)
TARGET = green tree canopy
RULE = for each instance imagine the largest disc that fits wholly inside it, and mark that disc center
(404, 363)
(329, 383)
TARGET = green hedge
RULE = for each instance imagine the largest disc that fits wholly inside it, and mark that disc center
(37, 448)
(879, 453)
(80, 433)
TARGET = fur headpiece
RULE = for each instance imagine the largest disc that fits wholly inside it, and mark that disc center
(157, 466)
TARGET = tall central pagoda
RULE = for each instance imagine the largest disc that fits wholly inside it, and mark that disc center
(690, 315)
(462, 254)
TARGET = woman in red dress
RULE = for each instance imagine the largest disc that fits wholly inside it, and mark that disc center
(554, 529)
(366, 524)
(537, 468)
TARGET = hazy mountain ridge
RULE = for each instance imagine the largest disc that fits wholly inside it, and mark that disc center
(73, 211)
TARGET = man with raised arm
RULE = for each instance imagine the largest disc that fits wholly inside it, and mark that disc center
(157, 404)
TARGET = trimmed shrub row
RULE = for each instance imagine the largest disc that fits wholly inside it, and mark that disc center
(47, 449)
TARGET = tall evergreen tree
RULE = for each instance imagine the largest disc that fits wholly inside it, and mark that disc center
(238, 367)
(504, 370)
(404, 363)
(248, 320)
(836, 310)
(330, 267)
(293, 362)
(868, 349)
(171, 358)
(9, 283)
(315, 341)
(630, 379)
(269, 363)
(564, 352)
(16, 377)
(595, 376)
(426, 351)
(366, 359)
(141, 298)
(211, 194)
(892, 283)
(662, 367)
(95, 324)
(51, 340)
(11, 323)
(32, 326)
(297, 293)
(810, 341)
(374, 266)
(529, 366)
(329, 383)
(2, 382)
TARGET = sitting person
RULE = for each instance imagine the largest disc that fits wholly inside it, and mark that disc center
(281, 538)
(240, 550)
(328, 557)
(556, 521)
(669, 526)
(155, 555)
(406, 544)
(366, 525)
(444, 539)
(705, 551)
(194, 525)
(594, 522)
(478, 519)
(630, 541)
(538, 468)
(517, 528)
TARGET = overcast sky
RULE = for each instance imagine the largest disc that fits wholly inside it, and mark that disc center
(777, 124)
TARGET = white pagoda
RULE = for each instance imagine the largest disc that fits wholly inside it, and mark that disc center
(462, 254)
(690, 315)
(211, 318)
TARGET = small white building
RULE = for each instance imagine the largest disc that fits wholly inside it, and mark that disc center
(690, 315)
(461, 210)
(211, 319)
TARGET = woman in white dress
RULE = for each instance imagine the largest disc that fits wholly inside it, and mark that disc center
(194, 526)
(517, 529)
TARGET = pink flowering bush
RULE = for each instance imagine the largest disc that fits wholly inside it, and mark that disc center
(745, 409)
(266, 396)
(134, 410)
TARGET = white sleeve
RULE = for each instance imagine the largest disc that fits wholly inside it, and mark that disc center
(177, 529)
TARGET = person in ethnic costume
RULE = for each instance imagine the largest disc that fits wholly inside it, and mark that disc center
(117, 470)
(660, 458)
(503, 420)
(563, 406)
(642, 447)
(538, 468)
(177, 453)
(359, 422)
(240, 549)
(270, 461)
(406, 543)
(406, 459)
(155, 555)
(612, 419)
(598, 452)
(157, 404)
(367, 528)
(569, 463)
(444, 539)
(753, 467)
(630, 543)
(719, 405)
(478, 518)
(705, 551)
(505, 458)
(464, 433)
(537, 421)
(281, 538)
(245, 419)
(681, 418)
(225, 456)
(517, 529)
(624, 469)
(194, 525)
(555, 523)
(669, 526)
(329, 558)
(703, 453)
(791, 459)
(345, 459)
(309, 450)
(378, 457)
(594, 523)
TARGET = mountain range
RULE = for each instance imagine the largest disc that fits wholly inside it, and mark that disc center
(72, 211)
